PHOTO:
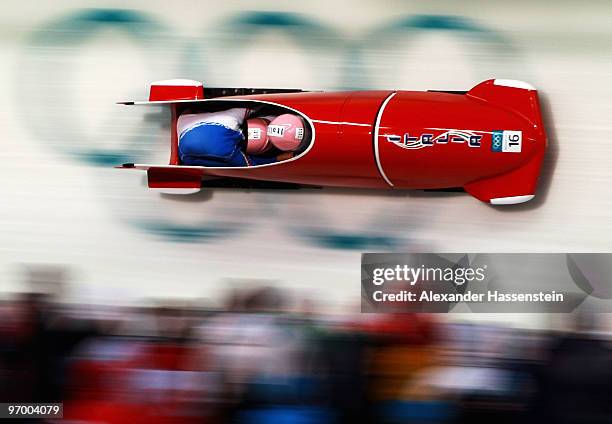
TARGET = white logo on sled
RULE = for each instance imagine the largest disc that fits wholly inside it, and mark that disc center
(277, 130)
(512, 141)
(254, 133)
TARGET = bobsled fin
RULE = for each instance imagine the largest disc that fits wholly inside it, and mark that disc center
(513, 84)
(519, 96)
(171, 179)
(170, 92)
(179, 91)
(516, 186)
(176, 89)
(174, 180)
(512, 200)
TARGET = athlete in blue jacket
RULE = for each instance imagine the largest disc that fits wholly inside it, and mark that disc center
(216, 139)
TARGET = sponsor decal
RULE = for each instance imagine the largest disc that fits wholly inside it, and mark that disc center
(299, 133)
(409, 141)
(496, 141)
(506, 141)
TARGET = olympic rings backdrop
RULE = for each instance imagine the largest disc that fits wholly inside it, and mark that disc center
(66, 66)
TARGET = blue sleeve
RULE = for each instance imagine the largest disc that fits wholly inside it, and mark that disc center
(210, 141)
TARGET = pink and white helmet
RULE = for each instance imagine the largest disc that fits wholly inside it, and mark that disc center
(286, 132)
(257, 139)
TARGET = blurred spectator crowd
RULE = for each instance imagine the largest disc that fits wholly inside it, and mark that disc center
(269, 358)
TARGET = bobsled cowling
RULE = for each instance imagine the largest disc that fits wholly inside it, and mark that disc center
(489, 140)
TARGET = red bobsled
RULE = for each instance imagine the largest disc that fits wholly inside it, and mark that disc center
(490, 140)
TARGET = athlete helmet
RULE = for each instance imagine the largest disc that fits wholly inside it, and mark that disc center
(257, 138)
(286, 132)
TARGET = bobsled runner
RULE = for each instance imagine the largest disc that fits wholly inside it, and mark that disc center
(489, 141)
